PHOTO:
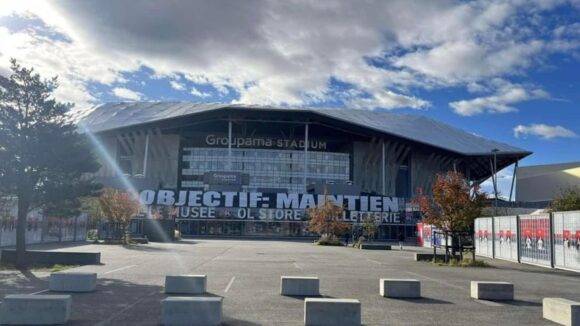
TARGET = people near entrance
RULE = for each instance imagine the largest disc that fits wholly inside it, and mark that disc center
(346, 237)
(401, 240)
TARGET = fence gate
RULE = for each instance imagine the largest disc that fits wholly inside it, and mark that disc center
(535, 239)
(505, 240)
(484, 236)
(567, 240)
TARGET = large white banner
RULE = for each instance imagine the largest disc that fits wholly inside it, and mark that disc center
(484, 236)
(505, 240)
(567, 240)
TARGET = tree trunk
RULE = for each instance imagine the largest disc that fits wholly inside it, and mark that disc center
(446, 247)
(473, 245)
(23, 207)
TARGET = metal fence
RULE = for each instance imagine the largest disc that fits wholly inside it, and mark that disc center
(549, 240)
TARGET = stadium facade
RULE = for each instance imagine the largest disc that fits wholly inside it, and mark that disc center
(241, 170)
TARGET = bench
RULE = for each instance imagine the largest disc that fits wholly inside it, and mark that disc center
(72, 282)
(332, 312)
(27, 309)
(400, 288)
(185, 284)
(484, 290)
(300, 285)
(205, 311)
(561, 311)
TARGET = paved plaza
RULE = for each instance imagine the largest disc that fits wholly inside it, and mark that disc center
(247, 274)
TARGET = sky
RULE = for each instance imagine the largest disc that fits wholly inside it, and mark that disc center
(504, 70)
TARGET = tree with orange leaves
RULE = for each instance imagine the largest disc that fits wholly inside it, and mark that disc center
(453, 206)
(119, 207)
(326, 220)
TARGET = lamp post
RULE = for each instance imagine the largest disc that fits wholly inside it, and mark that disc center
(494, 178)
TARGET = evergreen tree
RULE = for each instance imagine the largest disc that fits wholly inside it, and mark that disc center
(44, 162)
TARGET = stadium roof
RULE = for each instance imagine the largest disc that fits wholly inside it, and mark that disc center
(415, 128)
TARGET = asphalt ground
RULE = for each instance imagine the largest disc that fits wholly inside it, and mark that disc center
(247, 274)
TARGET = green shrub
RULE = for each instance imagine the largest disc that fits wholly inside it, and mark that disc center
(93, 234)
(467, 262)
(59, 268)
(567, 200)
(328, 241)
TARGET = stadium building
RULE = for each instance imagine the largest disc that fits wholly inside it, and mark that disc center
(242, 170)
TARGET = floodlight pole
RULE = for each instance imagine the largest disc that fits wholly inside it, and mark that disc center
(383, 168)
(494, 178)
(513, 180)
(146, 155)
(306, 157)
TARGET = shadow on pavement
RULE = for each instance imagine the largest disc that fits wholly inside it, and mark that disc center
(423, 300)
(20, 282)
(237, 322)
(117, 302)
(302, 297)
(207, 294)
(523, 303)
(145, 247)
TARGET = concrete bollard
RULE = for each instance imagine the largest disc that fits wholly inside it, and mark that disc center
(332, 312)
(561, 311)
(73, 282)
(492, 290)
(206, 311)
(186, 284)
(400, 288)
(28, 309)
(300, 285)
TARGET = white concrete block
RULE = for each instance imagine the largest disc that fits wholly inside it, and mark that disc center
(561, 311)
(73, 282)
(492, 290)
(27, 309)
(186, 284)
(332, 312)
(400, 288)
(205, 311)
(300, 285)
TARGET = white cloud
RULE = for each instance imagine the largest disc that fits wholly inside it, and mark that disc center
(276, 52)
(177, 85)
(196, 92)
(543, 131)
(127, 94)
(502, 101)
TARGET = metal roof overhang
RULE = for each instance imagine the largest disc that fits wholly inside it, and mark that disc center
(479, 163)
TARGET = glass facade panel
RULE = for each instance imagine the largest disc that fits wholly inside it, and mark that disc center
(267, 168)
(244, 228)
